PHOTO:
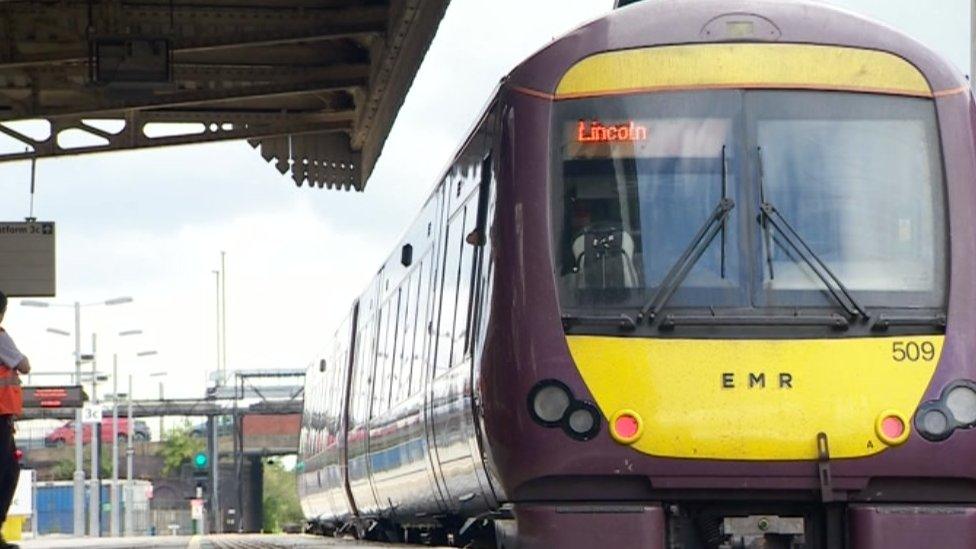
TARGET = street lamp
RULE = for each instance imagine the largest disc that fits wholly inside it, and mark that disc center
(79, 475)
(129, 451)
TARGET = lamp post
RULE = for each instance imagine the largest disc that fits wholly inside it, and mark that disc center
(160, 375)
(129, 451)
(79, 474)
(94, 494)
(130, 433)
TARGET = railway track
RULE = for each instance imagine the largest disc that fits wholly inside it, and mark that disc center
(224, 541)
(234, 541)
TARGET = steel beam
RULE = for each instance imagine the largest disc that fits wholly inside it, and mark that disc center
(154, 408)
(314, 84)
(191, 28)
(108, 106)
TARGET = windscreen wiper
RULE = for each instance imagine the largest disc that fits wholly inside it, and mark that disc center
(622, 321)
(884, 322)
(703, 238)
(771, 216)
(835, 321)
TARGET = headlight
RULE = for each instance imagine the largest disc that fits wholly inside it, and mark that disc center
(936, 420)
(961, 402)
(582, 421)
(934, 424)
(548, 402)
(551, 404)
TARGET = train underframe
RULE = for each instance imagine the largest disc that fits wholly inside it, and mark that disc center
(768, 522)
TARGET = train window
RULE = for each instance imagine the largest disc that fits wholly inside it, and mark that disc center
(418, 354)
(381, 370)
(486, 211)
(401, 374)
(394, 364)
(858, 176)
(860, 179)
(465, 272)
(441, 345)
(454, 247)
(640, 176)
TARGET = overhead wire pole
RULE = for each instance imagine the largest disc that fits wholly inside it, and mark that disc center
(223, 316)
(972, 42)
(114, 493)
(213, 423)
(129, 451)
(79, 476)
(94, 505)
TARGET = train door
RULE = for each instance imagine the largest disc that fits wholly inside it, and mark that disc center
(451, 404)
(341, 397)
(429, 346)
(477, 319)
(360, 395)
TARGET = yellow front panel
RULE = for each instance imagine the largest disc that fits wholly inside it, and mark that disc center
(788, 66)
(782, 392)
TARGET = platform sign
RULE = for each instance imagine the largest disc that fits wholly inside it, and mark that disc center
(70, 396)
(23, 503)
(196, 509)
(27, 266)
(91, 413)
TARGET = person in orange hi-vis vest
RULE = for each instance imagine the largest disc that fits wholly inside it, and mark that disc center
(12, 364)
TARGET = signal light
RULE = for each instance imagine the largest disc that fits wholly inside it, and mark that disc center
(626, 426)
(200, 460)
(891, 427)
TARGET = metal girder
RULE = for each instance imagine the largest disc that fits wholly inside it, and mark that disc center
(190, 27)
(313, 84)
(208, 128)
(184, 407)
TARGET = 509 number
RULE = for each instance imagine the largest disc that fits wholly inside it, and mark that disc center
(911, 351)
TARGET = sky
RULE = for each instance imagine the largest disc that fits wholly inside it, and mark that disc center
(151, 224)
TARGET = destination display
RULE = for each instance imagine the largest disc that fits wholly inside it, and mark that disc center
(70, 396)
(596, 138)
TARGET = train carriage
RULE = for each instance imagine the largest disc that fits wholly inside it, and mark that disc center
(701, 277)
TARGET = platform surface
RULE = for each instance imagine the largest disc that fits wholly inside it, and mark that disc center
(226, 541)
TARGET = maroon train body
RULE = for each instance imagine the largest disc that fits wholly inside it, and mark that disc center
(702, 277)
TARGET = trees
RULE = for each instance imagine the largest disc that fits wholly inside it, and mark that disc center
(281, 506)
(179, 447)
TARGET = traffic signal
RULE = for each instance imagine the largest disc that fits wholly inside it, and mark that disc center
(200, 460)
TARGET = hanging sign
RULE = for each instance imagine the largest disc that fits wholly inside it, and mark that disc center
(27, 266)
(69, 396)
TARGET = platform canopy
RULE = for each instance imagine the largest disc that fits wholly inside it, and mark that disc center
(313, 85)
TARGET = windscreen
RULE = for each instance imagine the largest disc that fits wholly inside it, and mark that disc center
(858, 177)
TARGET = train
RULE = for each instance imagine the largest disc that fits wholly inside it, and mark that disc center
(703, 275)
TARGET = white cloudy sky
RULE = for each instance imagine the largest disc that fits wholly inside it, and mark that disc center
(151, 224)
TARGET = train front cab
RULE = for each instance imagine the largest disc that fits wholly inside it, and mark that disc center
(763, 256)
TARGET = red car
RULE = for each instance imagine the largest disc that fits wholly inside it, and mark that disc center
(65, 434)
